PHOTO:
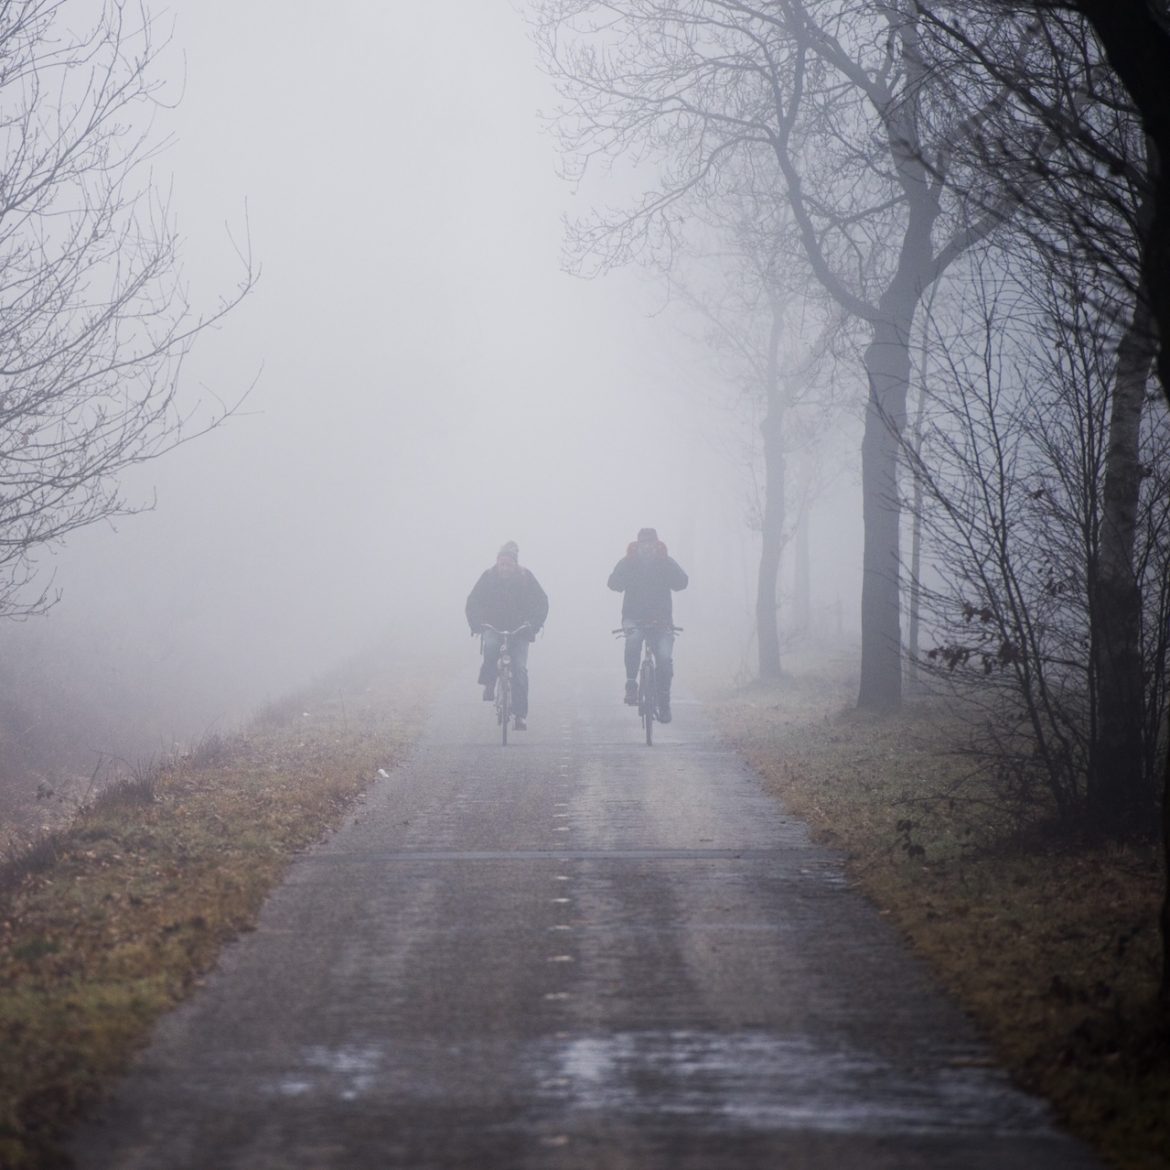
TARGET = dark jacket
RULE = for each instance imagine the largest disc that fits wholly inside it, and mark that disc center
(647, 585)
(507, 603)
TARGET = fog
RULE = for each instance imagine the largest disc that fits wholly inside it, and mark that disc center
(426, 383)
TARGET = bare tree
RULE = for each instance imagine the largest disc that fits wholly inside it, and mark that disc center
(1083, 201)
(1128, 54)
(94, 316)
(829, 104)
(1135, 35)
(1012, 467)
(753, 302)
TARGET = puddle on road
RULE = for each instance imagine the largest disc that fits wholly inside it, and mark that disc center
(742, 1081)
(757, 1081)
(342, 1073)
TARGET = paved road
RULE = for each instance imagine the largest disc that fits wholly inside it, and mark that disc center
(573, 952)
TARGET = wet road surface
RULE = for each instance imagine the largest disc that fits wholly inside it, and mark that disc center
(573, 952)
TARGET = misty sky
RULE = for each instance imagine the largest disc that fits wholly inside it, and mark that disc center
(430, 383)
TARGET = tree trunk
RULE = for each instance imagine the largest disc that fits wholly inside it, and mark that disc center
(801, 575)
(768, 624)
(1156, 278)
(913, 650)
(767, 610)
(772, 521)
(1164, 989)
(1120, 785)
(914, 615)
(887, 363)
(1137, 45)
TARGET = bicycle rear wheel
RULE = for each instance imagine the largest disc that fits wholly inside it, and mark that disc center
(646, 700)
(504, 705)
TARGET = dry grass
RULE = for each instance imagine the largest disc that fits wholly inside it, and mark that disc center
(106, 924)
(1052, 946)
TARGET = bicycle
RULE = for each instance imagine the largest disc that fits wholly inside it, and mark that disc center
(647, 672)
(504, 678)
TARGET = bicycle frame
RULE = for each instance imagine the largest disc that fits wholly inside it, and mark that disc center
(647, 671)
(648, 689)
(504, 678)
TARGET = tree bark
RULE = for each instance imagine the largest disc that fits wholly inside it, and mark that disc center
(1164, 989)
(887, 362)
(772, 521)
(913, 649)
(767, 609)
(1137, 46)
(1120, 783)
(802, 575)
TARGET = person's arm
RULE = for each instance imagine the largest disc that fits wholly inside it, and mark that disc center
(474, 607)
(619, 578)
(538, 604)
(678, 579)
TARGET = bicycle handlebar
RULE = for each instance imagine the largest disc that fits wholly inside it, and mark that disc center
(646, 626)
(506, 633)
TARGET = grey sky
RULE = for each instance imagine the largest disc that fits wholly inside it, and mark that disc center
(432, 384)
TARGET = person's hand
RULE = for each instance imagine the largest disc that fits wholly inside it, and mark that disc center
(476, 630)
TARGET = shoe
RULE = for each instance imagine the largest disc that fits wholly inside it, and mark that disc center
(631, 692)
(520, 724)
(664, 713)
(489, 693)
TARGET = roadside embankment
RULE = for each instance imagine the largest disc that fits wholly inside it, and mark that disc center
(1050, 944)
(108, 922)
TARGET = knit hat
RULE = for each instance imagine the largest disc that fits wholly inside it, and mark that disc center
(648, 534)
(511, 550)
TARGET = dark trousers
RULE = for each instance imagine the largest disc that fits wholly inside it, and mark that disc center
(662, 644)
(518, 648)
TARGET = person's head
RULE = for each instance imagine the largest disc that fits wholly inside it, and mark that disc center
(647, 543)
(508, 558)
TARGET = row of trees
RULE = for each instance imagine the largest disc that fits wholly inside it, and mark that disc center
(968, 201)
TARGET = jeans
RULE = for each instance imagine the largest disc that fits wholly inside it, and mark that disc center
(662, 646)
(518, 648)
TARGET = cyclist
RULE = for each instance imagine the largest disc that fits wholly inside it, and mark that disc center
(507, 596)
(646, 576)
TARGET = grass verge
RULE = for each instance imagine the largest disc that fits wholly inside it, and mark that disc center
(1051, 946)
(107, 923)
